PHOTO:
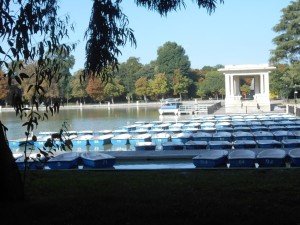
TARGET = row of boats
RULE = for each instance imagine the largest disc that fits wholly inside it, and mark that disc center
(206, 159)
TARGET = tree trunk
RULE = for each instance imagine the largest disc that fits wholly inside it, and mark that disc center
(145, 98)
(11, 181)
(180, 96)
(112, 100)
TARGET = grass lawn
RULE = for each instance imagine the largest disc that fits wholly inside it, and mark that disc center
(159, 197)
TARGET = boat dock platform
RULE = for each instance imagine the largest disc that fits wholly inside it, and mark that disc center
(199, 108)
(165, 155)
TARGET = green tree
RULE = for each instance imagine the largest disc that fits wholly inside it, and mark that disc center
(278, 83)
(159, 85)
(288, 40)
(201, 91)
(170, 57)
(180, 83)
(78, 87)
(213, 83)
(142, 87)
(113, 89)
(3, 87)
(128, 73)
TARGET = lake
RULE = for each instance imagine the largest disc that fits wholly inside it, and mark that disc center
(82, 119)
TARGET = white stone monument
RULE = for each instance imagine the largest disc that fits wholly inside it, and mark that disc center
(259, 73)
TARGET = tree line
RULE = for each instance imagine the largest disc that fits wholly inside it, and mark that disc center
(170, 75)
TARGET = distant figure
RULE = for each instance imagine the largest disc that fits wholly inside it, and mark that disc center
(258, 107)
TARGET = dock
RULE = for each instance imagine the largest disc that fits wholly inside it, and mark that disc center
(199, 108)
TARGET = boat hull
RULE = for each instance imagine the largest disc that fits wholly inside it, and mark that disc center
(237, 163)
(119, 142)
(210, 163)
(62, 165)
(271, 162)
(100, 163)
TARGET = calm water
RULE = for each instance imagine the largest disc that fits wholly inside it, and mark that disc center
(82, 119)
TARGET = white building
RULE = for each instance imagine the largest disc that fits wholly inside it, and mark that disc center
(259, 76)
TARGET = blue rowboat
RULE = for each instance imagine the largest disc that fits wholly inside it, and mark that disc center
(41, 140)
(139, 131)
(81, 141)
(208, 129)
(181, 137)
(293, 127)
(258, 128)
(172, 146)
(190, 130)
(268, 144)
(139, 138)
(291, 143)
(271, 158)
(146, 126)
(241, 135)
(209, 159)
(222, 136)
(130, 128)
(219, 145)
(297, 134)
(255, 123)
(120, 131)
(263, 135)
(192, 125)
(35, 161)
(17, 155)
(276, 128)
(224, 129)
(222, 124)
(244, 129)
(85, 132)
(160, 138)
(174, 130)
(103, 132)
(13, 144)
(156, 131)
(244, 144)
(294, 155)
(269, 123)
(67, 160)
(122, 139)
(236, 124)
(163, 126)
(241, 158)
(286, 123)
(283, 135)
(207, 124)
(97, 160)
(145, 146)
(101, 140)
(202, 136)
(195, 145)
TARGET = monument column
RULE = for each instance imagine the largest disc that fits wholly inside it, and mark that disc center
(266, 83)
(261, 80)
(227, 86)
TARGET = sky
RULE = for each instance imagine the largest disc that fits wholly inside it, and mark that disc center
(238, 32)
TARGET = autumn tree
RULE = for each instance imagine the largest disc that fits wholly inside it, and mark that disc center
(95, 89)
(142, 87)
(181, 83)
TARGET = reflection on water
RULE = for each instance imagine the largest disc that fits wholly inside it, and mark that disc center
(83, 119)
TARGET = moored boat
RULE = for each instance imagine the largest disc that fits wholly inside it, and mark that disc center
(263, 135)
(211, 158)
(68, 160)
(294, 155)
(244, 144)
(160, 138)
(122, 139)
(291, 143)
(241, 135)
(283, 135)
(97, 160)
(34, 161)
(271, 158)
(222, 136)
(202, 136)
(101, 140)
(268, 144)
(181, 137)
(195, 145)
(242, 158)
(139, 138)
(172, 146)
(220, 145)
(145, 146)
